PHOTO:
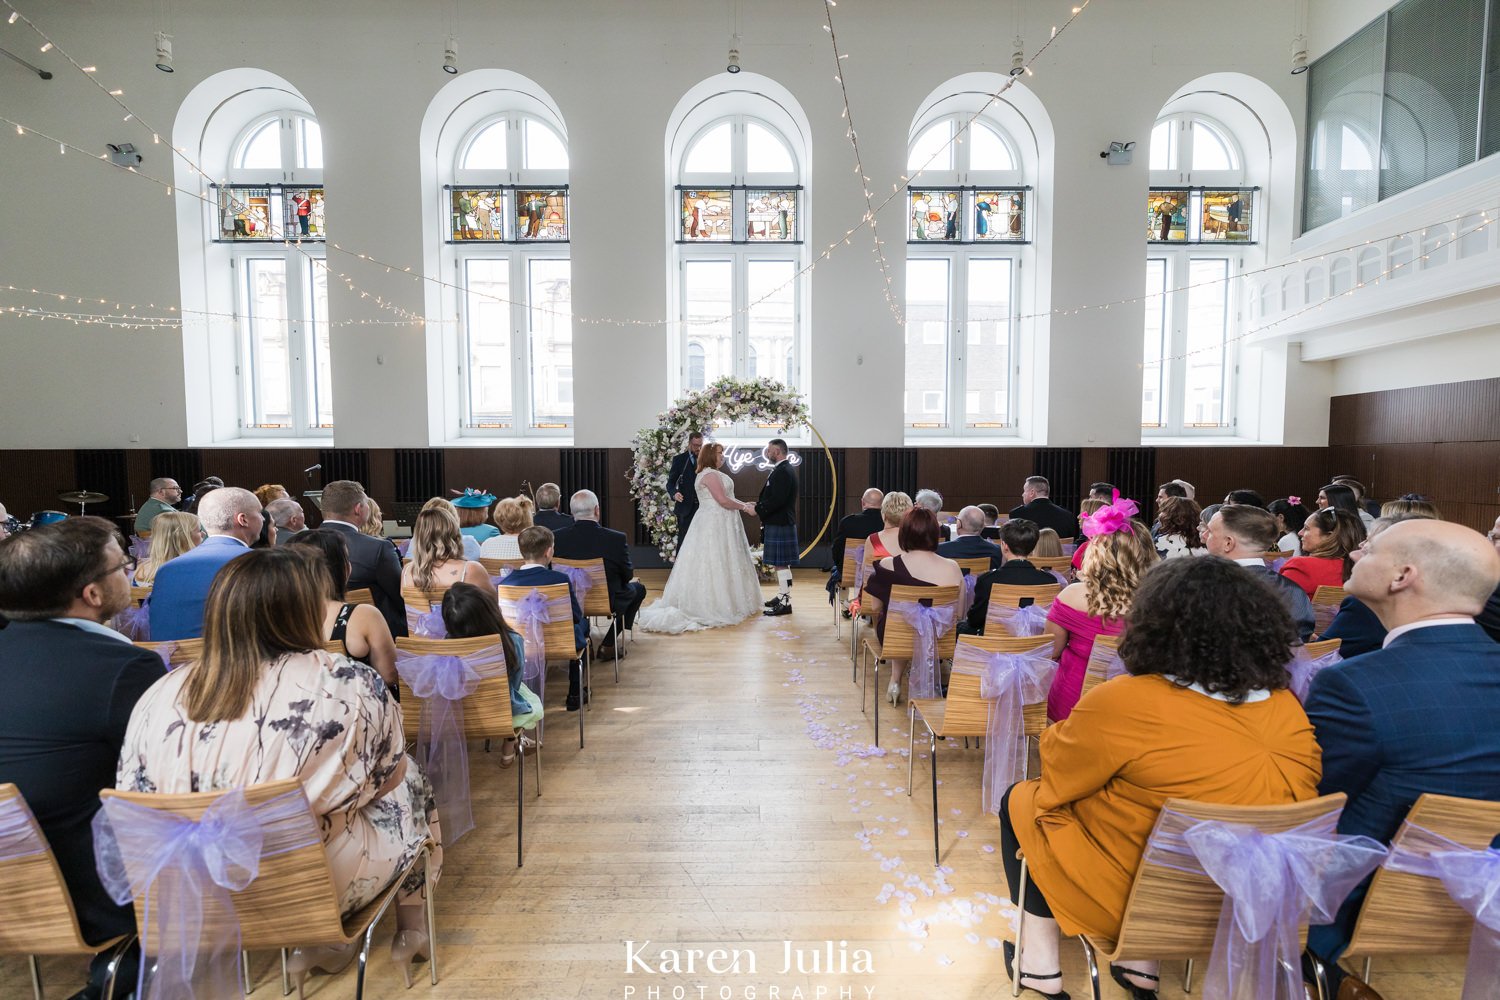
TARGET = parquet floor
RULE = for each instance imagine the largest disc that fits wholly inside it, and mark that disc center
(728, 798)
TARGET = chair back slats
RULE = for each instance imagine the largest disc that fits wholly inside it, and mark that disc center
(868, 607)
(138, 595)
(975, 566)
(293, 898)
(36, 911)
(486, 711)
(1096, 671)
(966, 712)
(1052, 564)
(495, 567)
(1321, 648)
(849, 571)
(1385, 925)
(359, 595)
(1328, 595)
(1006, 595)
(183, 650)
(420, 602)
(596, 601)
(1175, 914)
(557, 636)
(900, 638)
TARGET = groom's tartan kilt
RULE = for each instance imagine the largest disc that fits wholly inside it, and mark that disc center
(780, 544)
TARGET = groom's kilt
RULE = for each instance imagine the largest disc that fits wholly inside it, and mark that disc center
(780, 544)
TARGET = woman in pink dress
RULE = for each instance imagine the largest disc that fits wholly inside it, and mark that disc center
(1120, 551)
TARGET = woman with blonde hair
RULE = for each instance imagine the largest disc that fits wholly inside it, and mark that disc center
(885, 543)
(374, 525)
(437, 555)
(1048, 544)
(172, 534)
(1412, 504)
(513, 515)
(1120, 552)
(471, 546)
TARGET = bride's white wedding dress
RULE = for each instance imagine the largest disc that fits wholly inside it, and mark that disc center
(713, 582)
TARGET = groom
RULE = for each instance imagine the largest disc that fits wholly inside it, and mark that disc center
(777, 510)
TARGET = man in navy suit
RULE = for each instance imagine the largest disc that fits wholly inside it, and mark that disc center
(588, 539)
(233, 519)
(67, 687)
(536, 544)
(682, 485)
(548, 497)
(373, 562)
(1017, 540)
(969, 543)
(1417, 715)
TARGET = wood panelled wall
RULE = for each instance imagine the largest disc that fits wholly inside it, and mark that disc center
(1442, 441)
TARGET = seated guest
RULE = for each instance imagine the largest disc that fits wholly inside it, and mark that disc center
(548, 498)
(1178, 534)
(933, 501)
(513, 516)
(1089, 506)
(536, 548)
(375, 564)
(1017, 539)
(1290, 517)
(588, 539)
(918, 565)
(8, 524)
(1241, 534)
(1048, 544)
(1328, 536)
(887, 541)
(271, 492)
(1248, 498)
(991, 521)
(243, 713)
(436, 560)
(1368, 508)
(171, 535)
(67, 687)
(855, 528)
(358, 628)
(1102, 491)
(967, 543)
(165, 495)
(1489, 618)
(1120, 552)
(469, 613)
(1341, 497)
(374, 525)
(201, 489)
(1411, 503)
(1204, 715)
(1164, 492)
(232, 518)
(1188, 489)
(1417, 715)
(471, 547)
(1037, 507)
(474, 514)
(288, 517)
(1355, 625)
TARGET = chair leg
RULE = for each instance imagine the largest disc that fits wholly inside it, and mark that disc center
(617, 664)
(286, 979)
(1093, 964)
(1187, 976)
(36, 976)
(1015, 979)
(364, 961)
(520, 802)
(1320, 976)
(114, 964)
(1366, 969)
(432, 935)
(937, 857)
(245, 973)
(876, 666)
(911, 757)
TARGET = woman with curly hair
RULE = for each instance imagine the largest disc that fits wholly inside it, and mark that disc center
(1328, 538)
(513, 515)
(1120, 551)
(1179, 535)
(1204, 714)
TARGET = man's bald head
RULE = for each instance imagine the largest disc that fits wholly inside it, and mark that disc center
(230, 510)
(870, 499)
(970, 521)
(1423, 569)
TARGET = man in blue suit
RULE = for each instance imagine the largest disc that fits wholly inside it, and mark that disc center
(1417, 715)
(233, 519)
(970, 542)
(536, 548)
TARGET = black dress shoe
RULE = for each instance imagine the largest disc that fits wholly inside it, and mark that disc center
(774, 601)
(781, 607)
(572, 704)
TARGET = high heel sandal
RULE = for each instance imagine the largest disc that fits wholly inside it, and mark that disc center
(329, 960)
(409, 948)
(1118, 974)
(1010, 960)
(893, 693)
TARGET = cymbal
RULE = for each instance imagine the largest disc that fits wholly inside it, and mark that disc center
(82, 496)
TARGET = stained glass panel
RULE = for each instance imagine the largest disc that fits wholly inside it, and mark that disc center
(999, 215)
(771, 216)
(476, 215)
(245, 213)
(302, 214)
(1167, 215)
(1227, 216)
(707, 216)
(935, 215)
(542, 215)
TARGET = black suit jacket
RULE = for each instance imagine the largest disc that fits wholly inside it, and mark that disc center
(553, 520)
(778, 497)
(972, 547)
(1016, 572)
(855, 528)
(376, 565)
(1357, 627)
(682, 479)
(1046, 514)
(65, 698)
(591, 540)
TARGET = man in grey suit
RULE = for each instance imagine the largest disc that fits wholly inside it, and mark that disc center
(373, 560)
(288, 517)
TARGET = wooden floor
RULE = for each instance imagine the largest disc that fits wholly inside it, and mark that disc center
(728, 797)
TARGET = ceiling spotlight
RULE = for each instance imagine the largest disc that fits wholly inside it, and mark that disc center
(734, 61)
(1018, 59)
(1299, 55)
(164, 52)
(450, 56)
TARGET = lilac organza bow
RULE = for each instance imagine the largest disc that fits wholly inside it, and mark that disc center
(442, 683)
(966, 594)
(1111, 518)
(1070, 548)
(165, 651)
(581, 580)
(858, 553)
(928, 624)
(1472, 878)
(140, 548)
(1023, 622)
(134, 624)
(403, 546)
(1303, 668)
(1010, 681)
(528, 615)
(426, 624)
(1277, 563)
(185, 871)
(1273, 884)
(499, 577)
(19, 837)
(1323, 616)
(1060, 578)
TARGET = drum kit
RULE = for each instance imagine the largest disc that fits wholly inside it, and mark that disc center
(42, 518)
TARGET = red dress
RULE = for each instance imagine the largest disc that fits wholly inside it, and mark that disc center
(1311, 572)
(1082, 628)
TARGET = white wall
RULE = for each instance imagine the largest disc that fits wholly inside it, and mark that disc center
(1460, 357)
(615, 71)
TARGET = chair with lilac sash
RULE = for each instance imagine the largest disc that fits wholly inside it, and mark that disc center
(591, 588)
(359, 595)
(36, 911)
(134, 623)
(175, 654)
(1325, 602)
(215, 874)
(971, 569)
(1006, 615)
(1439, 892)
(499, 569)
(923, 635)
(1308, 660)
(1104, 663)
(139, 595)
(865, 611)
(424, 612)
(966, 710)
(431, 672)
(851, 581)
(1058, 566)
(544, 617)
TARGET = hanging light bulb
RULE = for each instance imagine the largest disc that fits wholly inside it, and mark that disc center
(164, 52)
(734, 56)
(450, 56)
(1018, 58)
(1299, 55)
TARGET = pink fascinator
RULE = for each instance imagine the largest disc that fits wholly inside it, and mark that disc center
(1110, 519)
(1294, 501)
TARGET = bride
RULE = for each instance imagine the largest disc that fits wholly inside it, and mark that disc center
(714, 582)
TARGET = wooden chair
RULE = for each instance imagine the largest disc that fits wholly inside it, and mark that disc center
(1322, 647)
(1052, 564)
(557, 638)
(1172, 914)
(496, 567)
(868, 611)
(293, 901)
(900, 640)
(1096, 672)
(1386, 924)
(1325, 604)
(848, 573)
(1009, 595)
(596, 602)
(36, 910)
(964, 712)
(183, 651)
(359, 595)
(1328, 595)
(138, 595)
(420, 602)
(487, 714)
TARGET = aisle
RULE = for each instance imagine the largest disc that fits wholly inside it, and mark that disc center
(728, 798)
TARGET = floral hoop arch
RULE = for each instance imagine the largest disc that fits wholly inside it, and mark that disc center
(762, 400)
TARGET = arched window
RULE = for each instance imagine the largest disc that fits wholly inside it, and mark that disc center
(967, 240)
(738, 160)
